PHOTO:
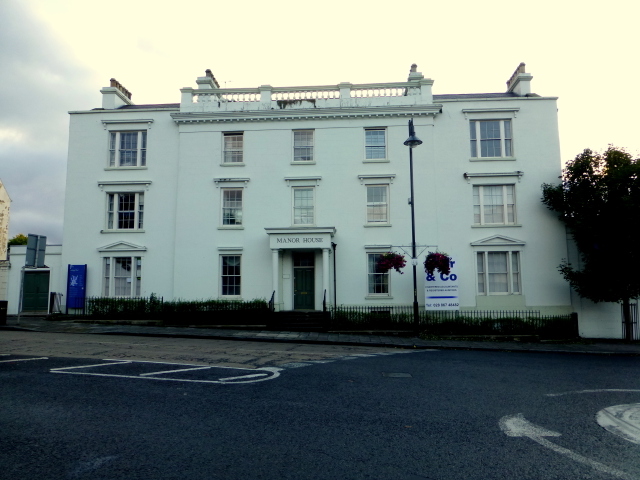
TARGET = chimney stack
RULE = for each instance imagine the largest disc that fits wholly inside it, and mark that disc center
(208, 81)
(520, 82)
(115, 95)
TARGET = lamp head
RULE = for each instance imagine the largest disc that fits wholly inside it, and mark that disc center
(412, 141)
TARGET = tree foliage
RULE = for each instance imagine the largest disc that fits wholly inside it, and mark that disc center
(599, 200)
(19, 239)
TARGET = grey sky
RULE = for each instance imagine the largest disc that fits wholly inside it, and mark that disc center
(55, 55)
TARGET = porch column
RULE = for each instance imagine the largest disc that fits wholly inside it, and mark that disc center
(275, 272)
(325, 272)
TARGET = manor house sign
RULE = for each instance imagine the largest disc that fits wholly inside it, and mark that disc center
(300, 238)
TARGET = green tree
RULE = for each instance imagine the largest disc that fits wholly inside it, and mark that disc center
(19, 239)
(599, 200)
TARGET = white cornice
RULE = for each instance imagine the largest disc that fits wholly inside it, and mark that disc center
(300, 230)
(306, 114)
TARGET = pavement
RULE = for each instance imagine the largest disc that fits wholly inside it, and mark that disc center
(506, 344)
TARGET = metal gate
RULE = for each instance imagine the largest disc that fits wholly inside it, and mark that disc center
(35, 292)
(635, 331)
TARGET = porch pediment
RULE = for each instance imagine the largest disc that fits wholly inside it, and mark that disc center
(122, 247)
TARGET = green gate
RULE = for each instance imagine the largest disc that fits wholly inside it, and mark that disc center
(35, 292)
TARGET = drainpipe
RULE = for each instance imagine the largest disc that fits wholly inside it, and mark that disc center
(335, 292)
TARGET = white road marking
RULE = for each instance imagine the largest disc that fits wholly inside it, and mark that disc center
(243, 376)
(518, 426)
(271, 372)
(174, 371)
(295, 365)
(23, 359)
(600, 390)
(622, 420)
(57, 370)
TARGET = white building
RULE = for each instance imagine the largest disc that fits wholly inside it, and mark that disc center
(292, 192)
(5, 204)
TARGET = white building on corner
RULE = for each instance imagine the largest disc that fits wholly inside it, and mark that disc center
(293, 192)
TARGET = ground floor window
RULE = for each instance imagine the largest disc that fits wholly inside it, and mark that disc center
(122, 276)
(498, 273)
(377, 282)
(230, 277)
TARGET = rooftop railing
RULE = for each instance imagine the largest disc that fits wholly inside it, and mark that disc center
(265, 95)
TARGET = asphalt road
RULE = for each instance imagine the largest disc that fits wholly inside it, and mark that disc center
(415, 415)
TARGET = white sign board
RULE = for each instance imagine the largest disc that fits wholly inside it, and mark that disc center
(441, 291)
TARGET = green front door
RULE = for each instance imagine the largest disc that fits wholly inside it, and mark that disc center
(35, 292)
(303, 288)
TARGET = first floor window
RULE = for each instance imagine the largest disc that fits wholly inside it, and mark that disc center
(377, 204)
(125, 211)
(122, 276)
(232, 206)
(303, 206)
(491, 138)
(230, 281)
(233, 147)
(498, 273)
(303, 145)
(494, 204)
(375, 143)
(128, 149)
(377, 282)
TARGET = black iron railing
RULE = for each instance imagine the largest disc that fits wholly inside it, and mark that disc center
(272, 302)
(178, 312)
(493, 322)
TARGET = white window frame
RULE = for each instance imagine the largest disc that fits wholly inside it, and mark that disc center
(117, 152)
(112, 283)
(505, 138)
(225, 276)
(114, 213)
(371, 145)
(480, 207)
(233, 149)
(373, 277)
(486, 286)
(303, 146)
(373, 205)
(229, 219)
(297, 210)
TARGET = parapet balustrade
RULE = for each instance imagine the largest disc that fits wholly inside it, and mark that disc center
(343, 94)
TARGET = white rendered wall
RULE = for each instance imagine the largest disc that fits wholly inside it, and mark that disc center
(182, 238)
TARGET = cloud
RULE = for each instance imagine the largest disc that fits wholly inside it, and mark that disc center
(40, 83)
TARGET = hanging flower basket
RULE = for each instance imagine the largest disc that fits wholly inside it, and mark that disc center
(439, 261)
(390, 260)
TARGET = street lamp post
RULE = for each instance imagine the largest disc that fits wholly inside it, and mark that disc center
(413, 142)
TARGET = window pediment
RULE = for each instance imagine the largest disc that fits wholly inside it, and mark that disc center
(122, 247)
(498, 241)
(490, 176)
(124, 186)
